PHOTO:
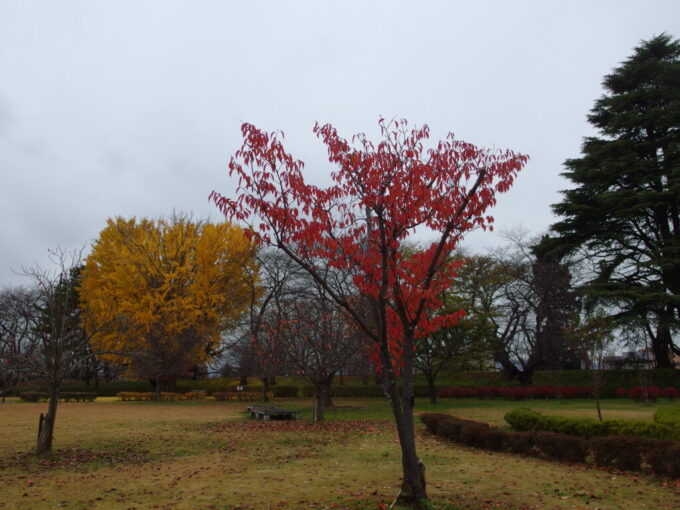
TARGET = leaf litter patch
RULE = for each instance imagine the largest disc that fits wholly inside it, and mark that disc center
(75, 459)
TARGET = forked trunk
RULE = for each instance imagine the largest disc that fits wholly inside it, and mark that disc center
(46, 426)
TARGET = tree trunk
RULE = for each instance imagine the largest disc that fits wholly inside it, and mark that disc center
(46, 430)
(412, 493)
(169, 384)
(322, 398)
(265, 389)
(431, 388)
(157, 389)
(662, 341)
(525, 376)
(319, 403)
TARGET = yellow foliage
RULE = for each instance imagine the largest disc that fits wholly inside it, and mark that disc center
(159, 293)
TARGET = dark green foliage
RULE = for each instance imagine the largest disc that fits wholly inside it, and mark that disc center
(283, 391)
(34, 396)
(527, 419)
(614, 379)
(562, 447)
(78, 396)
(668, 416)
(624, 210)
(642, 429)
(523, 418)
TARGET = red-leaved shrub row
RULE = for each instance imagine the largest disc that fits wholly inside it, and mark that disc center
(517, 392)
(620, 452)
(647, 393)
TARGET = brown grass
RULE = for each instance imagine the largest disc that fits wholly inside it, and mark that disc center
(204, 456)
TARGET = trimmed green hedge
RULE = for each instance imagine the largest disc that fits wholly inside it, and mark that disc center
(78, 396)
(668, 416)
(527, 419)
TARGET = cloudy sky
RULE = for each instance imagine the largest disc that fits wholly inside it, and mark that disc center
(133, 108)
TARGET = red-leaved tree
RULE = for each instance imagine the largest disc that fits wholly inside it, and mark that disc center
(357, 228)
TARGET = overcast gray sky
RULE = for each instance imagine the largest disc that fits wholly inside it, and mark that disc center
(133, 108)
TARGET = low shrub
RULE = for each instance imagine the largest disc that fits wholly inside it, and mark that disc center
(135, 395)
(195, 395)
(240, 396)
(670, 393)
(640, 428)
(562, 447)
(450, 428)
(522, 418)
(284, 391)
(522, 442)
(665, 460)
(78, 396)
(431, 420)
(527, 419)
(621, 452)
(646, 393)
(616, 451)
(621, 393)
(668, 416)
(474, 434)
(516, 392)
(493, 438)
(33, 396)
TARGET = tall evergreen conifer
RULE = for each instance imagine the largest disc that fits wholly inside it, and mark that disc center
(623, 210)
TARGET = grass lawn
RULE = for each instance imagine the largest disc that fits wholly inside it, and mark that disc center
(204, 455)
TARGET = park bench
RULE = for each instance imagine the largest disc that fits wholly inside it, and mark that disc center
(267, 413)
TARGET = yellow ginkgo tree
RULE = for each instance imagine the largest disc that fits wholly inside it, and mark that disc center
(169, 288)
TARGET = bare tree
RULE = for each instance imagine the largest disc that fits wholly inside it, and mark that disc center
(259, 349)
(319, 341)
(532, 305)
(57, 344)
(16, 314)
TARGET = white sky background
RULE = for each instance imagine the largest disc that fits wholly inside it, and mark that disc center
(133, 108)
